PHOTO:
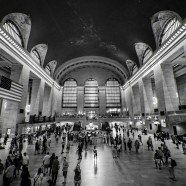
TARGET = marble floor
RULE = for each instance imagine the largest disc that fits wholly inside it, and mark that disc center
(130, 169)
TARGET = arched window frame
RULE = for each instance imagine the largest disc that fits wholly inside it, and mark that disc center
(134, 69)
(69, 96)
(113, 93)
(48, 70)
(14, 32)
(169, 29)
(91, 98)
(147, 54)
(37, 56)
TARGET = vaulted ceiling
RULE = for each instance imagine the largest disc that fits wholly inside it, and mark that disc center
(76, 28)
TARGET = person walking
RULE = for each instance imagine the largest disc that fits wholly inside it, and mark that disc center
(171, 165)
(68, 146)
(25, 177)
(140, 138)
(46, 163)
(65, 169)
(63, 146)
(77, 175)
(55, 169)
(80, 148)
(37, 147)
(157, 159)
(125, 144)
(38, 178)
(8, 175)
(149, 143)
(52, 157)
(95, 153)
(184, 147)
(25, 160)
(1, 167)
(137, 145)
(160, 153)
(129, 144)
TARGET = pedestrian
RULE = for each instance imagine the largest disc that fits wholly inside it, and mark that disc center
(140, 138)
(8, 162)
(25, 177)
(79, 150)
(125, 144)
(52, 157)
(166, 155)
(55, 169)
(95, 153)
(129, 144)
(17, 165)
(1, 167)
(38, 178)
(171, 165)
(149, 143)
(65, 169)
(68, 146)
(37, 147)
(177, 143)
(25, 160)
(49, 142)
(160, 153)
(46, 163)
(8, 175)
(63, 146)
(137, 145)
(114, 152)
(77, 176)
(184, 147)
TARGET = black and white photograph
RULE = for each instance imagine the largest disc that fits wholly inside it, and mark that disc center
(92, 92)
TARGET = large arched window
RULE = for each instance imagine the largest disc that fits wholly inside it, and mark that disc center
(36, 56)
(113, 97)
(134, 69)
(171, 26)
(91, 94)
(147, 54)
(48, 70)
(12, 29)
(70, 94)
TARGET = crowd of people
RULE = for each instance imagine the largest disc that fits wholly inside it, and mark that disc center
(119, 140)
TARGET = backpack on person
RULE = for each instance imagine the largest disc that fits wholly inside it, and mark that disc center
(173, 163)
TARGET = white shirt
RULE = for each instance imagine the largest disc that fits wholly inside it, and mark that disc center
(25, 160)
(46, 160)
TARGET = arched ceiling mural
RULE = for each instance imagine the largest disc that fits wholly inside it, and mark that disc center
(73, 29)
